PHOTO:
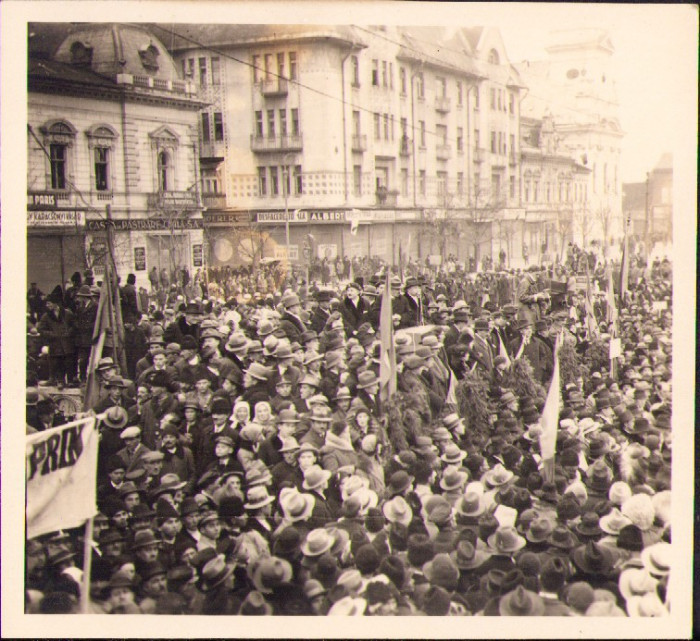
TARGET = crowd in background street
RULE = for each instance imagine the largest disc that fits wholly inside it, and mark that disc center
(250, 464)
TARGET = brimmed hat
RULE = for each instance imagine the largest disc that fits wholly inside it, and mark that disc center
(255, 605)
(639, 509)
(317, 542)
(497, 476)
(599, 478)
(366, 378)
(467, 557)
(521, 602)
(593, 558)
(540, 529)
(314, 477)
(144, 538)
(506, 540)
(471, 504)
(648, 605)
(588, 526)
(169, 483)
(613, 522)
(267, 573)
(257, 497)
(453, 455)
(348, 606)
(657, 559)
(214, 573)
(634, 582)
(397, 510)
(453, 478)
(399, 482)
(105, 363)
(115, 418)
(296, 506)
(563, 538)
(259, 371)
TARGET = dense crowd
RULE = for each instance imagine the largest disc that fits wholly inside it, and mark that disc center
(250, 464)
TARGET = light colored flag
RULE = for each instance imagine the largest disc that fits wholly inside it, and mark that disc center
(387, 360)
(61, 477)
(550, 419)
(612, 307)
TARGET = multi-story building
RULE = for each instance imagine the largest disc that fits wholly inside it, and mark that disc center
(555, 195)
(649, 205)
(366, 140)
(576, 86)
(112, 133)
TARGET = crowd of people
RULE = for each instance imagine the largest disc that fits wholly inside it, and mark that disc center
(251, 462)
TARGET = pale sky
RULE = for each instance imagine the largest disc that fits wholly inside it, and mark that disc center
(655, 59)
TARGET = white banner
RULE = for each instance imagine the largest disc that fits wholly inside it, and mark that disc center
(61, 469)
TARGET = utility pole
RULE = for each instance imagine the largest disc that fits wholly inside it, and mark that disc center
(646, 217)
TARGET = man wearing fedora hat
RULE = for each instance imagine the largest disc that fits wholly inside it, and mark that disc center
(290, 321)
(353, 308)
(410, 305)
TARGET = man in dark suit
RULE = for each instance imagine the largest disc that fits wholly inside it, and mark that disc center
(353, 308)
(410, 305)
(290, 322)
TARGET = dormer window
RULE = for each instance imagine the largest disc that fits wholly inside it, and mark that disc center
(81, 54)
(149, 57)
(494, 58)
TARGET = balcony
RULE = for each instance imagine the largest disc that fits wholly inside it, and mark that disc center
(443, 104)
(211, 200)
(274, 87)
(104, 195)
(212, 150)
(359, 142)
(479, 154)
(172, 200)
(267, 144)
(386, 197)
(443, 152)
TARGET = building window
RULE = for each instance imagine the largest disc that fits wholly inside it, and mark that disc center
(377, 126)
(526, 191)
(441, 134)
(512, 186)
(356, 129)
(215, 71)
(512, 145)
(257, 71)
(493, 98)
(270, 123)
(384, 74)
(391, 75)
(548, 191)
(420, 86)
(283, 122)
(493, 142)
(404, 127)
(280, 65)
(298, 182)
(274, 182)
(441, 183)
(375, 73)
(476, 98)
(355, 71)
(477, 185)
(262, 181)
(441, 87)
(402, 80)
(164, 170)
(292, 65)
(206, 135)
(203, 72)
(536, 191)
(511, 102)
(460, 183)
(268, 65)
(460, 140)
(476, 139)
(258, 124)
(496, 187)
(357, 179)
(386, 126)
(459, 94)
(404, 182)
(101, 168)
(494, 58)
(286, 180)
(188, 69)
(421, 182)
(295, 122)
(218, 126)
(421, 124)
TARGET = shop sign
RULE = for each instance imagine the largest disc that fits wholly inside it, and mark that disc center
(328, 251)
(197, 258)
(41, 200)
(225, 219)
(296, 216)
(56, 218)
(147, 224)
(140, 259)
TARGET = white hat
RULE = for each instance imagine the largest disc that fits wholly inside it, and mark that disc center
(130, 432)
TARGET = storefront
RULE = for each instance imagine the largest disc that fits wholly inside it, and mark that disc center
(55, 240)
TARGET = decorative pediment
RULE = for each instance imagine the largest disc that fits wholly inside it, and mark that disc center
(164, 137)
(101, 135)
(149, 57)
(58, 132)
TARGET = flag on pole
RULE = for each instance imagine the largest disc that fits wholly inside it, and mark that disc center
(61, 477)
(550, 419)
(99, 334)
(624, 269)
(387, 361)
(612, 308)
(502, 351)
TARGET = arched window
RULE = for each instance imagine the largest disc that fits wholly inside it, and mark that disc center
(164, 171)
(494, 58)
(101, 141)
(59, 137)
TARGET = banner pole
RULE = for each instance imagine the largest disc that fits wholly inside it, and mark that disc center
(87, 566)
